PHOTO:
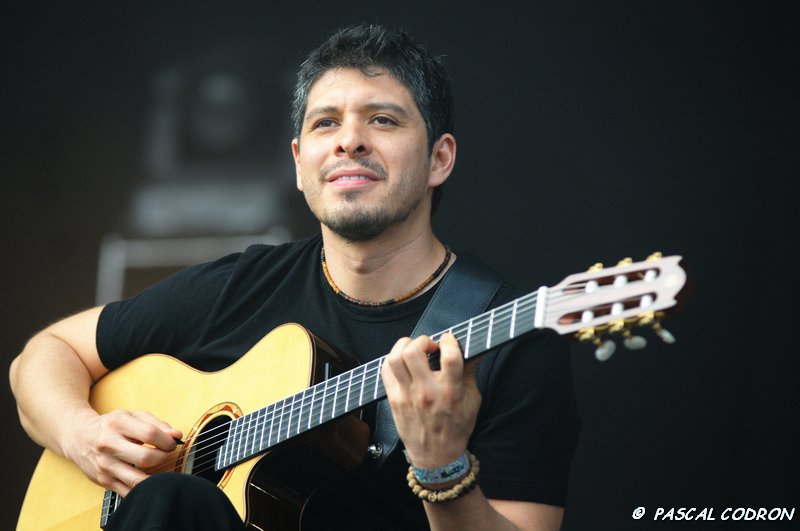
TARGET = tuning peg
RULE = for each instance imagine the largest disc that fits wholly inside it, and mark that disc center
(632, 342)
(655, 256)
(665, 335)
(604, 350)
(596, 267)
(625, 262)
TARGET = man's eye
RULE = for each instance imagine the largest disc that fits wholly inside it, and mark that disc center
(324, 123)
(384, 120)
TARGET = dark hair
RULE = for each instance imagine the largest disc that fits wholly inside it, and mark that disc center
(374, 47)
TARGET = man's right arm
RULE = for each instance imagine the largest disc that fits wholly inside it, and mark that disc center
(51, 380)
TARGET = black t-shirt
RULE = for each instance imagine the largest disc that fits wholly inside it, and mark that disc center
(211, 314)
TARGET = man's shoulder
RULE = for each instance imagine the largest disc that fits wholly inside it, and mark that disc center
(258, 251)
(281, 255)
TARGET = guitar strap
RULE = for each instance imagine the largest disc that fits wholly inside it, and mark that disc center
(465, 292)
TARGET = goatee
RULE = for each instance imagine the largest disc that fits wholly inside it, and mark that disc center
(364, 226)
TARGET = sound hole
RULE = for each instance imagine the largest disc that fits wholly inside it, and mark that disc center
(202, 455)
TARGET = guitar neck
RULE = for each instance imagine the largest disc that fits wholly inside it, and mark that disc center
(596, 300)
(260, 430)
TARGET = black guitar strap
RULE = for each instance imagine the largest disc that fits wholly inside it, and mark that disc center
(465, 292)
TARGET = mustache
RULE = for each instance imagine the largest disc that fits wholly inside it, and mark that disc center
(371, 165)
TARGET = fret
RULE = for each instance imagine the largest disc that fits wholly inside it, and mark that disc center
(293, 416)
(324, 399)
(489, 333)
(480, 331)
(282, 412)
(267, 420)
(363, 382)
(245, 435)
(311, 412)
(378, 380)
(346, 392)
(233, 442)
(289, 421)
(238, 437)
(227, 455)
(371, 375)
(273, 407)
(248, 431)
(469, 337)
(380, 390)
(300, 417)
(342, 384)
(513, 319)
(258, 428)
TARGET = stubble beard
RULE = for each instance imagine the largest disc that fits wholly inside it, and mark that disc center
(357, 223)
(366, 224)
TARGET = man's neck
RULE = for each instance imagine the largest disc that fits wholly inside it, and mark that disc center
(388, 267)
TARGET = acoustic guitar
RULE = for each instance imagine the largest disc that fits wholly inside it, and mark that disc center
(284, 418)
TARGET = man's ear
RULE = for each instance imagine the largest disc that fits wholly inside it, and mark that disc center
(443, 159)
(296, 155)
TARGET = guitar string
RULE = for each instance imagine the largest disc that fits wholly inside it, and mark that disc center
(499, 318)
(369, 371)
(279, 412)
(292, 406)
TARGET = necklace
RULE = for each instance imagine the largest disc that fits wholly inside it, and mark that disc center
(395, 300)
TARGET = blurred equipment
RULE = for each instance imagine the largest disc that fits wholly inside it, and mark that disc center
(215, 178)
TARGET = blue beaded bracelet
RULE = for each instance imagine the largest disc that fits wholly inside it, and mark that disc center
(441, 474)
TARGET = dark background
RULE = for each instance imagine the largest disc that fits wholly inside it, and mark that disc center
(588, 131)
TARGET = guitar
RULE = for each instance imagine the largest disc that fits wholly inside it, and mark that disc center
(244, 423)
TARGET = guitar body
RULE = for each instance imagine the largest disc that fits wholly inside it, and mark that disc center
(264, 490)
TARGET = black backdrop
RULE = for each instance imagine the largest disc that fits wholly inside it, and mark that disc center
(587, 132)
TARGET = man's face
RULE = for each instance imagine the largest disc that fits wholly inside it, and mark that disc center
(362, 159)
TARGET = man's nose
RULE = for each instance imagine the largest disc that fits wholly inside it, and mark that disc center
(352, 141)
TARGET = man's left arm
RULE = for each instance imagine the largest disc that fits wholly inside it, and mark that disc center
(435, 413)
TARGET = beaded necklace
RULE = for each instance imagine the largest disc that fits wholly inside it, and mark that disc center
(394, 300)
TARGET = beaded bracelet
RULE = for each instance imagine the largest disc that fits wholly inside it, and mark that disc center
(456, 491)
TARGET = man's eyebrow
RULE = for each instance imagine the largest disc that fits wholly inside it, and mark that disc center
(388, 106)
(376, 106)
(328, 109)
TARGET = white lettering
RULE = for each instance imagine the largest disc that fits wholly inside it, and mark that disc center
(706, 514)
(729, 513)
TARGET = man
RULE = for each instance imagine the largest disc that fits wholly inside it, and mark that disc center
(372, 148)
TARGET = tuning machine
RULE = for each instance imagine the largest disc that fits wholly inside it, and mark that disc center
(653, 320)
(604, 349)
(623, 328)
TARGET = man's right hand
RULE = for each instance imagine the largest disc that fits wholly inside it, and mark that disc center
(119, 449)
(116, 450)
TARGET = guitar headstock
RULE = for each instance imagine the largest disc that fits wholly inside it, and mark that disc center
(612, 301)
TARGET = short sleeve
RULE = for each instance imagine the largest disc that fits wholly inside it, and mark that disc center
(165, 318)
(528, 425)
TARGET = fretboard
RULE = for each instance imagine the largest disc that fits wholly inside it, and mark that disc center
(258, 431)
